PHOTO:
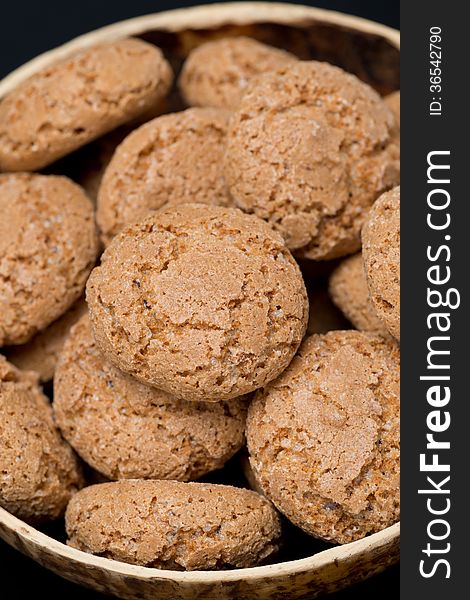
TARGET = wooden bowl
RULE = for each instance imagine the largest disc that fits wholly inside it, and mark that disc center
(369, 50)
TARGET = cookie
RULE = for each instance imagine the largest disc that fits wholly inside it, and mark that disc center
(349, 291)
(40, 354)
(217, 73)
(48, 246)
(203, 302)
(171, 160)
(127, 430)
(38, 470)
(393, 102)
(324, 437)
(74, 101)
(173, 525)
(381, 252)
(309, 150)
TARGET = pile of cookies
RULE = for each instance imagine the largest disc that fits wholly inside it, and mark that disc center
(157, 267)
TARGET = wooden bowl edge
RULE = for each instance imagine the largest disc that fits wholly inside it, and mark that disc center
(31, 536)
(205, 16)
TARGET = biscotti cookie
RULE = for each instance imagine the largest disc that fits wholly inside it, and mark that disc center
(381, 252)
(173, 525)
(393, 101)
(324, 437)
(171, 160)
(40, 354)
(217, 73)
(78, 99)
(203, 302)
(38, 470)
(349, 291)
(309, 150)
(127, 430)
(48, 246)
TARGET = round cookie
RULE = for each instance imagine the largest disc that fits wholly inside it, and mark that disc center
(40, 354)
(76, 100)
(217, 73)
(324, 437)
(175, 158)
(309, 150)
(203, 302)
(381, 252)
(48, 246)
(393, 102)
(127, 430)
(38, 470)
(173, 525)
(349, 291)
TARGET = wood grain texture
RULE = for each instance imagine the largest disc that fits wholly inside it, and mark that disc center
(369, 50)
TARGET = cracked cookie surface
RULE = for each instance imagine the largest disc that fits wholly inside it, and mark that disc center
(175, 158)
(349, 291)
(381, 252)
(127, 430)
(39, 473)
(324, 437)
(173, 525)
(217, 73)
(203, 302)
(76, 100)
(309, 150)
(48, 246)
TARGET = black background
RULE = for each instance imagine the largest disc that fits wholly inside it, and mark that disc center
(29, 28)
(422, 133)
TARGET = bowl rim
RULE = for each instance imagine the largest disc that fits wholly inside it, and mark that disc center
(206, 17)
(202, 16)
(336, 553)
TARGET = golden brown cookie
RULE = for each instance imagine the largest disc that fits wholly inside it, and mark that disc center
(203, 302)
(78, 99)
(381, 252)
(171, 160)
(309, 150)
(40, 354)
(38, 470)
(324, 437)
(127, 430)
(217, 73)
(349, 291)
(173, 525)
(393, 101)
(48, 246)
